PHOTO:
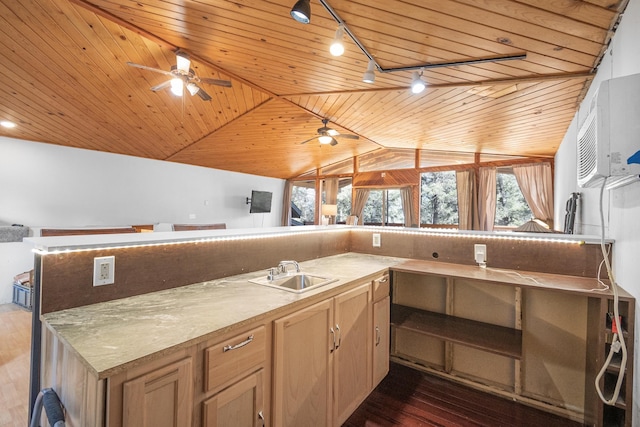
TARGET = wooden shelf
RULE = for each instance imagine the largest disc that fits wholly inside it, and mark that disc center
(483, 336)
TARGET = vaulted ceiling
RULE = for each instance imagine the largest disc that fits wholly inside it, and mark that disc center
(64, 77)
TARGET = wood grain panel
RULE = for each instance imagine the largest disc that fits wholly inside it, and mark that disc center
(65, 78)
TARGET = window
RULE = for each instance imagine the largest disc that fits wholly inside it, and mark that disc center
(344, 200)
(438, 198)
(383, 207)
(303, 202)
(512, 209)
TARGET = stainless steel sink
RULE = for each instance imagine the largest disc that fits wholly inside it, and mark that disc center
(295, 282)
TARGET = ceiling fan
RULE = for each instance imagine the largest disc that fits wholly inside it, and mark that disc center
(183, 76)
(326, 135)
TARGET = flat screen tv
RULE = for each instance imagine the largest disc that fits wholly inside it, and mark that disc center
(260, 201)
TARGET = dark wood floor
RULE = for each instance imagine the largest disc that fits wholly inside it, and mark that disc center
(407, 397)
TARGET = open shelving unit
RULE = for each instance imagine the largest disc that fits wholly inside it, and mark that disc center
(523, 336)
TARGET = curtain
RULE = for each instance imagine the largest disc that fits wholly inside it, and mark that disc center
(467, 205)
(536, 184)
(362, 194)
(286, 204)
(486, 198)
(331, 191)
(406, 193)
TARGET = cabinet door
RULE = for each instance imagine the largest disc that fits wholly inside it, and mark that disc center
(353, 354)
(381, 318)
(302, 367)
(160, 398)
(240, 405)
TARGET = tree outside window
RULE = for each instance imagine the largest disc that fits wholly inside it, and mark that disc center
(303, 201)
(384, 207)
(512, 209)
(438, 198)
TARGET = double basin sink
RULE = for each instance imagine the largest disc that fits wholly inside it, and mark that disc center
(294, 282)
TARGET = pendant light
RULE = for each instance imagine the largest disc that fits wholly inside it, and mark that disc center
(301, 11)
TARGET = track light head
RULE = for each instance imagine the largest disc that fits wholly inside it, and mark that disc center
(369, 75)
(417, 84)
(301, 11)
(337, 47)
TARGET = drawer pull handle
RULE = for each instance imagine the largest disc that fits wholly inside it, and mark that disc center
(384, 279)
(339, 332)
(377, 336)
(261, 418)
(234, 347)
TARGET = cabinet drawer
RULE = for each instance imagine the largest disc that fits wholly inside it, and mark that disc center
(233, 357)
(381, 287)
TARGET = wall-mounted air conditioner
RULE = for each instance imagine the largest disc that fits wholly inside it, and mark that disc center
(609, 139)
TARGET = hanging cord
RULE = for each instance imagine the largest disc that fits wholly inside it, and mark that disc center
(617, 342)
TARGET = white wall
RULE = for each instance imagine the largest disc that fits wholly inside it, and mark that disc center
(621, 206)
(44, 185)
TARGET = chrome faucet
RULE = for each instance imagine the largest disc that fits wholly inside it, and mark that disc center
(282, 267)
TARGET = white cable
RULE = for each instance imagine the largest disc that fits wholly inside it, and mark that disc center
(618, 337)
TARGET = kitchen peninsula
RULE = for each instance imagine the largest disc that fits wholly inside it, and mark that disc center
(181, 298)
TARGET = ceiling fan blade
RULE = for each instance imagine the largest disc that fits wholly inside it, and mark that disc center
(225, 83)
(348, 136)
(161, 86)
(310, 139)
(155, 70)
(204, 95)
(333, 142)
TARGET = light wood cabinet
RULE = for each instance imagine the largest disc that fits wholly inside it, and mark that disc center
(303, 366)
(240, 405)
(159, 398)
(381, 332)
(323, 357)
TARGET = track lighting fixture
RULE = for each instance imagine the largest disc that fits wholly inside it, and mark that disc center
(301, 11)
(177, 86)
(369, 76)
(417, 84)
(337, 47)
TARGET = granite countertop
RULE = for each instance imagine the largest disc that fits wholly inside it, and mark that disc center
(113, 336)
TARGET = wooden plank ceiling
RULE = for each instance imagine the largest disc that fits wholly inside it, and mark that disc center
(65, 79)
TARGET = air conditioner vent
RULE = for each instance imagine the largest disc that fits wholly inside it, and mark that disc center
(587, 149)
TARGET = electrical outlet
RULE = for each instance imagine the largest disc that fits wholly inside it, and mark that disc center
(104, 270)
(480, 254)
(376, 240)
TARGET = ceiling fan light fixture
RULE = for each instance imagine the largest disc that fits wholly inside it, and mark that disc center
(369, 75)
(337, 47)
(301, 11)
(183, 62)
(7, 124)
(417, 84)
(193, 88)
(177, 86)
(325, 139)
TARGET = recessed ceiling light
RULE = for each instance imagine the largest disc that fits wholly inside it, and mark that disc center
(7, 124)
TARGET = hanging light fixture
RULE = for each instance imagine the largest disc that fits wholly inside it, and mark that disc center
(301, 11)
(183, 62)
(417, 84)
(369, 76)
(177, 86)
(325, 139)
(337, 47)
(193, 88)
